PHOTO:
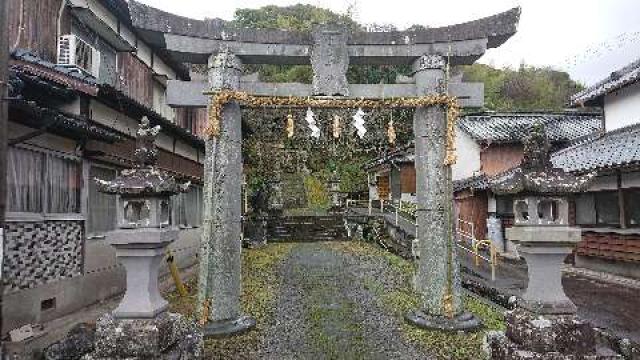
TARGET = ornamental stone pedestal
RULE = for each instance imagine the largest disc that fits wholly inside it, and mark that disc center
(438, 277)
(544, 324)
(140, 327)
(220, 261)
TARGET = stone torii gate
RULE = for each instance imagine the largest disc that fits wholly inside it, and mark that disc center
(330, 51)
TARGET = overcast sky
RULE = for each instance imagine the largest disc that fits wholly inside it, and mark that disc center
(587, 38)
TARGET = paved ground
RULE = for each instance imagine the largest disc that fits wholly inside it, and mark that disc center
(613, 307)
(605, 304)
(326, 312)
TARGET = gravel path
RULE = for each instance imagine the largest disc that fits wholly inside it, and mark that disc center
(328, 309)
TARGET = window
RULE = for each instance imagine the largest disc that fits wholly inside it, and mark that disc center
(24, 179)
(632, 207)
(101, 207)
(504, 205)
(585, 209)
(187, 207)
(548, 210)
(40, 182)
(607, 208)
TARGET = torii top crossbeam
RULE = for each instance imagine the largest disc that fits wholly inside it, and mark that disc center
(193, 41)
(330, 49)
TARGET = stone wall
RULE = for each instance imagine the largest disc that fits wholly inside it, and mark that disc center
(99, 277)
(41, 252)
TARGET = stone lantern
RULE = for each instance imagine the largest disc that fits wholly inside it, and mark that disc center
(544, 321)
(334, 189)
(140, 325)
(144, 226)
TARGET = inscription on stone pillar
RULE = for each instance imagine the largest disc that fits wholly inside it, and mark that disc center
(224, 71)
(428, 73)
(427, 62)
(330, 61)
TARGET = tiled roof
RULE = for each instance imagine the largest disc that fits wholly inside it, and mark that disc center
(478, 182)
(28, 56)
(76, 80)
(402, 154)
(62, 123)
(514, 127)
(613, 149)
(618, 79)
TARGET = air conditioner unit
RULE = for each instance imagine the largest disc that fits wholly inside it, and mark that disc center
(75, 53)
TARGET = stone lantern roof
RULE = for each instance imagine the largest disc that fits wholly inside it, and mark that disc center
(145, 179)
(536, 174)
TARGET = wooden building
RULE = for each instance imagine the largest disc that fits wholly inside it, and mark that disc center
(609, 213)
(487, 144)
(81, 79)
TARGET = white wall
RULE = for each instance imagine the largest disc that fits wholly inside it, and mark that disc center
(622, 108)
(160, 102)
(107, 116)
(468, 152)
(183, 149)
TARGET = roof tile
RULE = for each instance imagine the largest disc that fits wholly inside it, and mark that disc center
(614, 149)
(618, 79)
(514, 127)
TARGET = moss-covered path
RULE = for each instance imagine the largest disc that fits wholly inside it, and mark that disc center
(327, 310)
(335, 300)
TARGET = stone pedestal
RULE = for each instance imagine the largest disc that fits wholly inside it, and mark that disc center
(543, 337)
(545, 248)
(168, 336)
(544, 325)
(141, 252)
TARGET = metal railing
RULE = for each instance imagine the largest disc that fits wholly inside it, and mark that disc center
(465, 231)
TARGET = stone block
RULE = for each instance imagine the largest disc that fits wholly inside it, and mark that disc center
(548, 334)
(169, 336)
(78, 342)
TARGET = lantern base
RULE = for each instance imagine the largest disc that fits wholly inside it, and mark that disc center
(224, 328)
(463, 322)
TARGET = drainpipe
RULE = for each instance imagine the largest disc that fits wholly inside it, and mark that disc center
(4, 118)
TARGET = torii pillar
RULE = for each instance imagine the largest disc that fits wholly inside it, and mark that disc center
(438, 278)
(220, 274)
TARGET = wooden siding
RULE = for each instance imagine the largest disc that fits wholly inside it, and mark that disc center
(193, 120)
(497, 158)
(122, 154)
(136, 79)
(473, 208)
(39, 26)
(610, 246)
(408, 178)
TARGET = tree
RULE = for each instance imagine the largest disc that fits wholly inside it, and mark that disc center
(527, 88)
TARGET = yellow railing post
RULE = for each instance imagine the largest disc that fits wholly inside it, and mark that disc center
(492, 256)
(175, 275)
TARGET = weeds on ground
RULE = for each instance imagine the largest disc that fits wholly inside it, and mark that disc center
(260, 284)
(399, 301)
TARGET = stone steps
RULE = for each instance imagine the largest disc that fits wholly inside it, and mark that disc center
(306, 228)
